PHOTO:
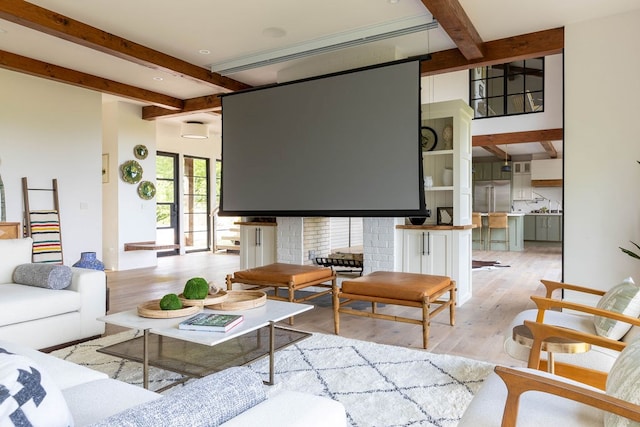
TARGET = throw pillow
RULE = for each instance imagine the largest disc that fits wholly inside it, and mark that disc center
(623, 298)
(209, 401)
(43, 275)
(28, 396)
(622, 382)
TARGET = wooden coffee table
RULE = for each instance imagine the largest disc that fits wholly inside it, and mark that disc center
(193, 353)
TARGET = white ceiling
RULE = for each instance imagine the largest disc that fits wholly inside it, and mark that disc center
(233, 29)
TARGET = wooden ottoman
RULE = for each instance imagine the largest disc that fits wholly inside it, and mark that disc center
(388, 287)
(290, 276)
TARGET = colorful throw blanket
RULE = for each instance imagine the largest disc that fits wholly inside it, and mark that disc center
(45, 232)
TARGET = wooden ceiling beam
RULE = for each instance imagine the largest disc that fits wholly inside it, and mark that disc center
(455, 22)
(550, 149)
(54, 24)
(203, 104)
(498, 152)
(22, 64)
(517, 137)
(531, 45)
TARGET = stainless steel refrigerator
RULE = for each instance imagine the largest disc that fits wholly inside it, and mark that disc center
(492, 196)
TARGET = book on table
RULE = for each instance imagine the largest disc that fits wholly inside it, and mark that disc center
(211, 322)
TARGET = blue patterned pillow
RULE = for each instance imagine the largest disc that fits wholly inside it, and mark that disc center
(28, 396)
(209, 401)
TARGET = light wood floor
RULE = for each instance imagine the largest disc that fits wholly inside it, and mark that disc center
(498, 295)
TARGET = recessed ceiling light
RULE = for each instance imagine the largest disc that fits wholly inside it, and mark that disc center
(393, 1)
(204, 51)
(158, 79)
(274, 32)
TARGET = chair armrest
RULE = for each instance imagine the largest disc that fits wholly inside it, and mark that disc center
(519, 382)
(544, 304)
(551, 286)
(543, 331)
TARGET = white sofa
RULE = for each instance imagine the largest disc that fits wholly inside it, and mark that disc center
(40, 318)
(94, 399)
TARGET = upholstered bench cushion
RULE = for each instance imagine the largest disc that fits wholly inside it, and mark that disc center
(285, 273)
(396, 285)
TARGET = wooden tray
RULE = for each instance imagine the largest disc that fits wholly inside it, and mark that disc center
(241, 300)
(152, 310)
(216, 298)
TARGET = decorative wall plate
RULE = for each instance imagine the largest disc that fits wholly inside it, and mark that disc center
(428, 138)
(140, 151)
(146, 190)
(131, 171)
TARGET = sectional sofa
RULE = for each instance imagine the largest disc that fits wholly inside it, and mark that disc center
(40, 389)
(39, 313)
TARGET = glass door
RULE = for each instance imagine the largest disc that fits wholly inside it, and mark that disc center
(197, 207)
(167, 231)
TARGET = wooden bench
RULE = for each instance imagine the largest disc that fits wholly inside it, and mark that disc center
(406, 289)
(291, 277)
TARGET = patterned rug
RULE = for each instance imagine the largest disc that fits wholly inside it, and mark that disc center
(379, 385)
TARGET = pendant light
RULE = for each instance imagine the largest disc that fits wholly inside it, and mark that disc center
(506, 167)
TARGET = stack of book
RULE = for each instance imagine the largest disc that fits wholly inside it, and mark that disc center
(211, 322)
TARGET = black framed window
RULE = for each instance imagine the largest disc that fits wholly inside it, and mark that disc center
(507, 89)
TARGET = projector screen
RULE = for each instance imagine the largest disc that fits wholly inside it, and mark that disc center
(346, 144)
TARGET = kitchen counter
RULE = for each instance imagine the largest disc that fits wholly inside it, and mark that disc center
(544, 214)
(508, 214)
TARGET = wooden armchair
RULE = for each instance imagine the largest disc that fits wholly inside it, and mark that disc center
(504, 400)
(594, 364)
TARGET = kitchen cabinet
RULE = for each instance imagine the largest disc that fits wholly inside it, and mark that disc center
(257, 245)
(488, 171)
(548, 228)
(454, 158)
(521, 188)
(427, 252)
(530, 227)
(546, 173)
(497, 173)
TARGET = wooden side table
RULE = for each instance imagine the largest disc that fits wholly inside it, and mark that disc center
(522, 335)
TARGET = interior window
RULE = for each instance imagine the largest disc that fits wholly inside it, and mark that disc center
(506, 89)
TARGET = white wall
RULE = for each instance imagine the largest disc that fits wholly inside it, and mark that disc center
(602, 207)
(127, 217)
(52, 130)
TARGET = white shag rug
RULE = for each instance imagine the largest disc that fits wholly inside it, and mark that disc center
(379, 385)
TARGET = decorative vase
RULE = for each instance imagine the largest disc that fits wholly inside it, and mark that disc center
(447, 177)
(89, 260)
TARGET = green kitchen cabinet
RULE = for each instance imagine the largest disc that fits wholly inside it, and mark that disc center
(549, 228)
(530, 227)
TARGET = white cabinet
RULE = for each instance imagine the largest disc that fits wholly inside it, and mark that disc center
(427, 252)
(257, 245)
(521, 189)
(546, 169)
(455, 116)
(440, 253)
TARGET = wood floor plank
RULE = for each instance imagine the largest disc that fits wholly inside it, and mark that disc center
(498, 295)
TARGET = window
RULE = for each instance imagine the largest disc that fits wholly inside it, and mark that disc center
(506, 89)
(196, 204)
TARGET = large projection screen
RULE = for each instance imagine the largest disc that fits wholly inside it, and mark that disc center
(341, 145)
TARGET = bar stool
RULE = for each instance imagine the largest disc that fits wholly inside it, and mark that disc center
(498, 220)
(476, 220)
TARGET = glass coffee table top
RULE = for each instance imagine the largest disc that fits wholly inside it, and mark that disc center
(198, 360)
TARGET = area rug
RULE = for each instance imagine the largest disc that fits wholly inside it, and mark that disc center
(486, 265)
(379, 385)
